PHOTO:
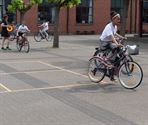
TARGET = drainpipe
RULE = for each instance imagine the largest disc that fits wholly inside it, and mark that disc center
(131, 6)
(67, 21)
(135, 25)
(140, 17)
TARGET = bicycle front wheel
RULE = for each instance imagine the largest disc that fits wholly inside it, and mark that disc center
(18, 45)
(96, 70)
(128, 58)
(37, 37)
(133, 76)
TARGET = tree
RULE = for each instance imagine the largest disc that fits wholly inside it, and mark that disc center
(22, 7)
(58, 5)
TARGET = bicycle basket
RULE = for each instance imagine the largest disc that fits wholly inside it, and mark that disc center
(133, 49)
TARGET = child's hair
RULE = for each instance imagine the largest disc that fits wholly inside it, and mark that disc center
(112, 14)
(4, 17)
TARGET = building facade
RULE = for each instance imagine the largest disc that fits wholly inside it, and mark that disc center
(89, 17)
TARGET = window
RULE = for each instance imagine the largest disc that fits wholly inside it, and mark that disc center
(116, 5)
(145, 11)
(84, 12)
(46, 12)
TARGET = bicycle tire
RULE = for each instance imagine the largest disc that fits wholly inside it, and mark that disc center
(132, 82)
(18, 45)
(26, 46)
(96, 70)
(128, 58)
(12, 37)
(49, 37)
(37, 37)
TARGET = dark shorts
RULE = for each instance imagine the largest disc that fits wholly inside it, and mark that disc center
(20, 33)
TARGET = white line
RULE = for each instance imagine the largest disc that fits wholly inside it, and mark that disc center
(20, 61)
(45, 88)
(79, 74)
(47, 64)
(12, 73)
(1, 85)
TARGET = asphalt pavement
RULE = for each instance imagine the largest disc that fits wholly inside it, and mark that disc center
(49, 86)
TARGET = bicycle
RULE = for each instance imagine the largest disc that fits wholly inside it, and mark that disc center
(128, 72)
(23, 43)
(40, 35)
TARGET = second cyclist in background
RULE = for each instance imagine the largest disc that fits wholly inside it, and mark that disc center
(44, 29)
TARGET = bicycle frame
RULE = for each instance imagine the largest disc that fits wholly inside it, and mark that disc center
(116, 65)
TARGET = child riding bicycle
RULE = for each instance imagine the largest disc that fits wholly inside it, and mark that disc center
(44, 28)
(22, 29)
(108, 39)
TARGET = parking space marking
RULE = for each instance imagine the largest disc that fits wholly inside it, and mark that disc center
(79, 74)
(54, 87)
(29, 61)
(46, 88)
(50, 65)
(12, 73)
(4, 87)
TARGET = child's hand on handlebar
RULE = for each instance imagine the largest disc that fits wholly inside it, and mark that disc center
(124, 38)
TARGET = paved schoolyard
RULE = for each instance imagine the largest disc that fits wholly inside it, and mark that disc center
(49, 86)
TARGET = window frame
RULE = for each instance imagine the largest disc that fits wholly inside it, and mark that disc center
(92, 15)
(46, 5)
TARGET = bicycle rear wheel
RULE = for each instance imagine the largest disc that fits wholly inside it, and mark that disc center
(49, 37)
(96, 70)
(26, 46)
(12, 37)
(37, 37)
(133, 76)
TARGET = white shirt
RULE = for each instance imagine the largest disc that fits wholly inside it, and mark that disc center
(108, 31)
(23, 29)
(45, 26)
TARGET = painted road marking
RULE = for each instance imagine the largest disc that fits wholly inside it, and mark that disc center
(79, 74)
(46, 88)
(54, 87)
(29, 61)
(4, 87)
(12, 73)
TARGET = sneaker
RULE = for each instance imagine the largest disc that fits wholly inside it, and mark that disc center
(3, 48)
(113, 79)
(8, 48)
(94, 71)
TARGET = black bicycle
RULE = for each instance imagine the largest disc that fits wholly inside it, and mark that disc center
(23, 43)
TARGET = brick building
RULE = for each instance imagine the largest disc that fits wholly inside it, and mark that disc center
(87, 18)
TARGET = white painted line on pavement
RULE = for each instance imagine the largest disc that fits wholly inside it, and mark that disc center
(50, 65)
(29, 72)
(79, 74)
(45, 88)
(29, 61)
(4, 87)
